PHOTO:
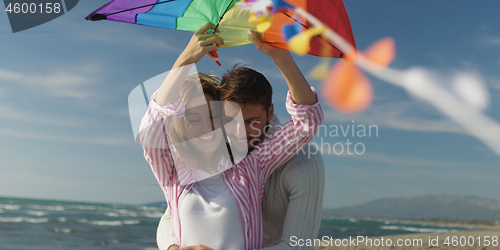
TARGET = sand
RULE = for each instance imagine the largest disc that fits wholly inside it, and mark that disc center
(477, 239)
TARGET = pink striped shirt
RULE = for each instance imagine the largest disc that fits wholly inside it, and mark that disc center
(246, 180)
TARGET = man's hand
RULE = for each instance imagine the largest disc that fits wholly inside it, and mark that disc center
(198, 247)
(274, 52)
(200, 44)
(299, 88)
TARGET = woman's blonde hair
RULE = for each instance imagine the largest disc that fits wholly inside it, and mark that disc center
(178, 131)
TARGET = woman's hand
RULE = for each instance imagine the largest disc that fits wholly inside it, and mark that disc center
(198, 247)
(200, 44)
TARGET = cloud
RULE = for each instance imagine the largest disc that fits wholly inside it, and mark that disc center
(387, 160)
(108, 140)
(405, 116)
(134, 36)
(9, 112)
(410, 161)
(494, 41)
(56, 84)
(494, 84)
(415, 167)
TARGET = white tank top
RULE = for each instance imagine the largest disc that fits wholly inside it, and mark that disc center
(210, 216)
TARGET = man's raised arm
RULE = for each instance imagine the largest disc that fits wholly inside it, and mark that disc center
(300, 90)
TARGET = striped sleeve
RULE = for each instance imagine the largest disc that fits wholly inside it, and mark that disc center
(154, 138)
(291, 137)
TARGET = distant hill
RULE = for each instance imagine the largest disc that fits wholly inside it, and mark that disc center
(454, 207)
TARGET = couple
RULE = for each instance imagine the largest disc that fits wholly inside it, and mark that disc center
(292, 197)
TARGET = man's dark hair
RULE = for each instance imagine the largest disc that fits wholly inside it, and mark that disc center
(244, 86)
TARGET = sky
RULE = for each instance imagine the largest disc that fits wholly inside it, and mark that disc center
(65, 131)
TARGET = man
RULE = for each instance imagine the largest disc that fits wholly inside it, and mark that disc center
(293, 195)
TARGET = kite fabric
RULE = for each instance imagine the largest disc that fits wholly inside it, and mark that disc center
(234, 26)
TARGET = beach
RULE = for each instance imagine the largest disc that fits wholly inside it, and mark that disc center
(482, 237)
(53, 224)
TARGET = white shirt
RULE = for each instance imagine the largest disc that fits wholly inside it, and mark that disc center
(201, 211)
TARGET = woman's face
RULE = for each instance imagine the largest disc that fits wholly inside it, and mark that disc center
(235, 128)
(204, 124)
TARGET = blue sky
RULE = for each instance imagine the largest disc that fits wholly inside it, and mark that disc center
(66, 134)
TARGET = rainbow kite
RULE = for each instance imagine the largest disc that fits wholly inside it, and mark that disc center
(234, 23)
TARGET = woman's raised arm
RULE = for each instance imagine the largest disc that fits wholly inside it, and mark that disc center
(200, 44)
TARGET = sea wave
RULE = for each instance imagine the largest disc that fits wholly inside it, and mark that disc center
(131, 222)
(11, 219)
(83, 207)
(44, 207)
(154, 214)
(111, 214)
(36, 213)
(125, 212)
(62, 230)
(110, 222)
(121, 212)
(419, 230)
(109, 241)
(106, 222)
(36, 220)
(82, 220)
(10, 207)
(23, 219)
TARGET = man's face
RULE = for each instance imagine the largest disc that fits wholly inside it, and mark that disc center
(252, 129)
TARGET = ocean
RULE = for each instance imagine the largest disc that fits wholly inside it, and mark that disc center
(27, 224)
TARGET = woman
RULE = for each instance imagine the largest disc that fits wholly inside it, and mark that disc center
(239, 225)
(197, 136)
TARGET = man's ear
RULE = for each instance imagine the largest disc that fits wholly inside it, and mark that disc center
(270, 112)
